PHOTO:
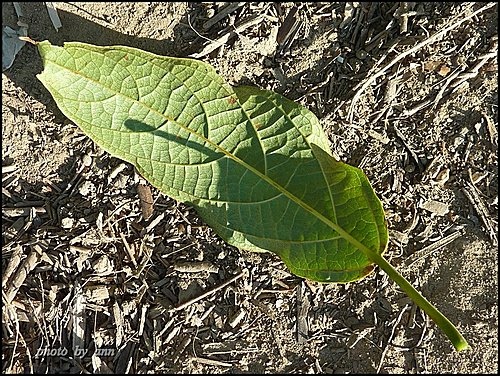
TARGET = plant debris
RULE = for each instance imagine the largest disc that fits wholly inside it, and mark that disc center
(92, 285)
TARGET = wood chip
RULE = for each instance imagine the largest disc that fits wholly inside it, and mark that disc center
(195, 267)
(78, 325)
(22, 272)
(116, 171)
(288, 27)
(379, 137)
(443, 70)
(435, 207)
(102, 265)
(14, 261)
(230, 8)
(146, 200)
(235, 319)
(302, 312)
(10, 168)
(492, 129)
(118, 315)
(22, 212)
(210, 362)
(96, 293)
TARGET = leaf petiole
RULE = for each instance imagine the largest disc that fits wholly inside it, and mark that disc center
(446, 326)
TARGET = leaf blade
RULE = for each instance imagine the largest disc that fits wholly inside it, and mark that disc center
(206, 154)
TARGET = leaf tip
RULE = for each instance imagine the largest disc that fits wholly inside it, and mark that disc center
(29, 40)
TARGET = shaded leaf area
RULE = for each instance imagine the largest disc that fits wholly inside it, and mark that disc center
(256, 166)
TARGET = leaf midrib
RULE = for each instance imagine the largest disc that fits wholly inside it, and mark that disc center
(310, 148)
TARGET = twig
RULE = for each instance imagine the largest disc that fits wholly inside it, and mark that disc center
(408, 52)
(445, 86)
(226, 37)
(211, 362)
(207, 293)
(384, 352)
(424, 331)
(408, 147)
(22, 272)
(14, 261)
(195, 267)
(196, 31)
(492, 129)
(230, 8)
(416, 108)
(424, 252)
(472, 195)
(142, 320)
(475, 71)
(78, 320)
(458, 77)
(13, 315)
(129, 250)
(118, 316)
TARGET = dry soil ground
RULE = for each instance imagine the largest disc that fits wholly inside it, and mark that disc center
(83, 269)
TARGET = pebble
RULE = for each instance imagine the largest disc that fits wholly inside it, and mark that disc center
(87, 160)
(67, 222)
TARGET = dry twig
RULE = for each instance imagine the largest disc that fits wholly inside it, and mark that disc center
(209, 292)
(367, 82)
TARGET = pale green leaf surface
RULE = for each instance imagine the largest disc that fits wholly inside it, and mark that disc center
(255, 165)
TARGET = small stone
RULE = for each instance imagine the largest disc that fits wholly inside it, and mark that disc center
(361, 54)
(67, 223)
(87, 160)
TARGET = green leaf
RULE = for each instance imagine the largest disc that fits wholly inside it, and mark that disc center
(256, 166)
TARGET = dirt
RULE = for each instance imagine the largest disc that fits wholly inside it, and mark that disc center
(82, 268)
